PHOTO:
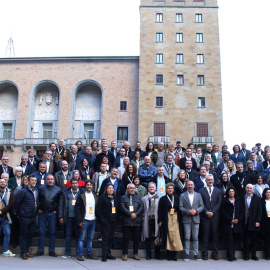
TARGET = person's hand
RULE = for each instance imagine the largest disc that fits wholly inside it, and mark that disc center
(257, 224)
(40, 211)
(80, 224)
(209, 214)
(159, 224)
(133, 216)
(61, 220)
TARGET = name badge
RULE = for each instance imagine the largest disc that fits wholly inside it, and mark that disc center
(88, 176)
(0, 205)
(131, 208)
(161, 190)
(242, 186)
(170, 176)
(42, 182)
(73, 202)
(268, 213)
(90, 210)
(113, 210)
(172, 211)
(65, 182)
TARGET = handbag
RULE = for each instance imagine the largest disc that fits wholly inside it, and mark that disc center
(158, 240)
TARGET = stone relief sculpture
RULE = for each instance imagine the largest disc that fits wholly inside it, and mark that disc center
(48, 98)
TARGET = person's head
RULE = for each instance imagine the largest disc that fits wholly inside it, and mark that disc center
(259, 145)
(113, 144)
(171, 148)
(88, 150)
(126, 145)
(137, 155)
(5, 160)
(109, 190)
(203, 171)
(2, 183)
(152, 188)
(24, 159)
(249, 189)
(190, 186)
(225, 156)
(24, 180)
(252, 156)
(74, 184)
(209, 147)
(215, 147)
(188, 152)
(18, 171)
(169, 159)
(103, 167)
(103, 141)
(236, 148)
(74, 149)
(191, 146)
(182, 175)
(160, 171)
(122, 152)
(64, 165)
(266, 194)
(224, 177)
(224, 148)
(243, 145)
(114, 172)
(130, 169)
(178, 144)
(199, 150)
(267, 156)
(147, 161)
(131, 189)
(188, 164)
(31, 181)
(105, 160)
(126, 161)
(84, 162)
(249, 165)
(94, 144)
(170, 188)
(136, 180)
(230, 164)
(31, 153)
(209, 180)
(79, 144)
(239, 167)
(76, 174)
(88, 186)
(5, 176)
(160, 146)
(259, 179)
(42, 167)
(149, 147)
(104, 147)
(52, 147)
(60, 142)
(206, 164)
(207, 157)
(231, 192)
(138, 145)
(50, 180)
(48, 154)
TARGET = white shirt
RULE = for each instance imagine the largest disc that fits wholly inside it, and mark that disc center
(267, 205)
(191, 197)
(90, 203)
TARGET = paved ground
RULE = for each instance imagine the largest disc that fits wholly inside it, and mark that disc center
(46, 262)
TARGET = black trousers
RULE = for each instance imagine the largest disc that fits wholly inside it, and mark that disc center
(28, 227)
(267, 246)
(231, 240)
(15, 229)
(208, 227)
(150, 239)
(249, 241)
(131, 233)
(107, 234)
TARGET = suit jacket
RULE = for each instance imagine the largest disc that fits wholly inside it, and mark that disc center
(111, 151)
(154, 179)
(246, 154)
(183, 162)
(53, 166)
(10, 171)
(220, 168)
(35, 162)
(29, 169)
(175, 170)
(259, 167)
(212, 205)
(191, 175)
(117, 162)
(185, 206)
(59, 179)
(265, 164)
(237, 184)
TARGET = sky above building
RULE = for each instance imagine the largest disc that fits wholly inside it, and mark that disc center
(112, 28)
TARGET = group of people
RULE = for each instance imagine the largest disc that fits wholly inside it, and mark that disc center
(161, 196)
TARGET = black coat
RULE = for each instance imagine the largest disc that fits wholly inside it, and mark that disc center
(99, 157)
(252, 176)
(265, 221)
(10, 171)
(104, 208)
(183, 163)
(36, 162)
(226, 212)
(154, 179)
(120, 187)
(191, 175)
(178, 188)
(237, 183)
(138, 210)
(255, 213)
(164, 208)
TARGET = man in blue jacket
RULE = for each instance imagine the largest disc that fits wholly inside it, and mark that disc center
(26, 209)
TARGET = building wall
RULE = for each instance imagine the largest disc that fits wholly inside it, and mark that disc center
(180, 111)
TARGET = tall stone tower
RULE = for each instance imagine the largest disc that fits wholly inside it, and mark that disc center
(180, 95)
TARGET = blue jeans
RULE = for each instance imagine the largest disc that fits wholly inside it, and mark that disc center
(89, 228)
(70, 227)
(42, 220)
(6, 230)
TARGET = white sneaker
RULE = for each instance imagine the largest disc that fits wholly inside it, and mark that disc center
(8, 253)
(65, 256)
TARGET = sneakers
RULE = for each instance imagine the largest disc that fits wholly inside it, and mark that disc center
(8, 253)
(186, 257)
(197, 258)
(65, 256)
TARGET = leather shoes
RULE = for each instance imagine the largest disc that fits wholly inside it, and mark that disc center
(110, 257)
(104, 259)
(24, 256)
(215, 257)
(52, 254)
(205, 257)
(230, 259)
(80, 258)
(29, 255)
(234, 259)
(246, 258)
(148, 258)
(39, 253)
(255, 258)
(91, 257)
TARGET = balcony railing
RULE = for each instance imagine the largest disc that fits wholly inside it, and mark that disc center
(202, 140)
(156, 139)
(72, 141)
(7, 143)
(33, 142)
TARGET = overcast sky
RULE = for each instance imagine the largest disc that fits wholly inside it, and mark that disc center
(111, 28)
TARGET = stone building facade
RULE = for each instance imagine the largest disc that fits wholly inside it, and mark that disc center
(171, 91)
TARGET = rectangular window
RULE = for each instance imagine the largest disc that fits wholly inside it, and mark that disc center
(179, 17)
(89, 131)
(122, 133)
(159, 129)
(200, 59)
(200, 80)
(123, 105)
(7, 130)
(159, 79)
(199, 37)
(159, 58)
(159, 37)
(159, 101)
(198, 17)
(180, 80)
(47, 130)
(159, 17)
(202, 130)
(179, 37)
(179, 58)
(201, 102)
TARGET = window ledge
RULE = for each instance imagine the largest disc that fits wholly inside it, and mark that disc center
(159, 106)
(122, 110)
(201, 107)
